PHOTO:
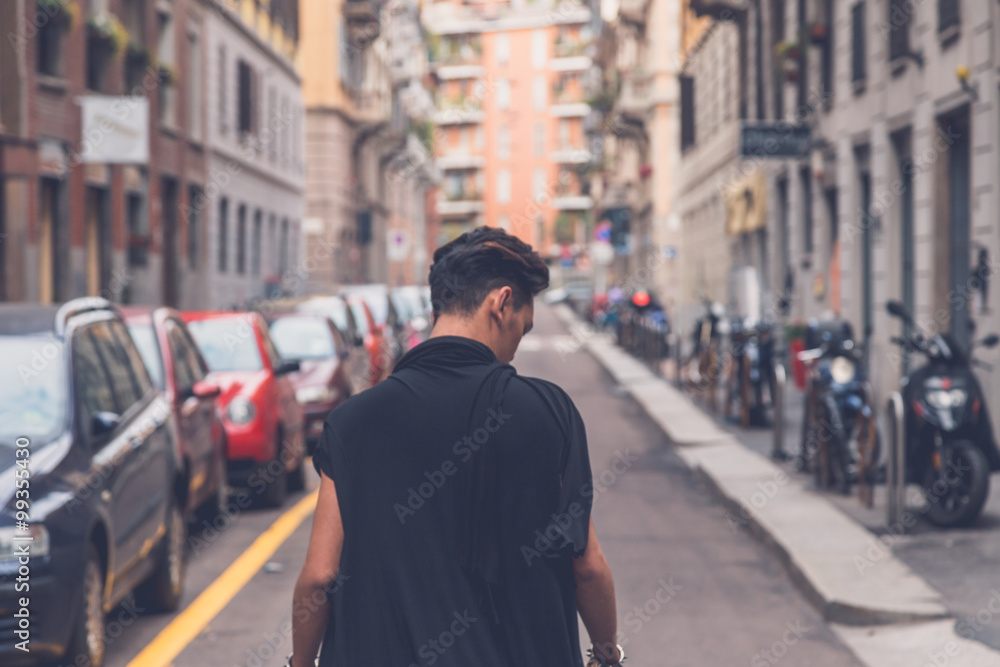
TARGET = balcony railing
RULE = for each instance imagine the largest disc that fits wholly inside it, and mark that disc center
(635, 91)
(568, 48)
(463, 194)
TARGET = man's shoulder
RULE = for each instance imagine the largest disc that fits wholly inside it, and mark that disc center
(362, 407)
(542, 394)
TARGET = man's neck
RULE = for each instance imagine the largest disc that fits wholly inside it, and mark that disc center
(464, 327)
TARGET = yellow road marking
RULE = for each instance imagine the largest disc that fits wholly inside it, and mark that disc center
(185, 627)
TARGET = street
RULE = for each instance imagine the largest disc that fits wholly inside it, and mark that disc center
(690, 589)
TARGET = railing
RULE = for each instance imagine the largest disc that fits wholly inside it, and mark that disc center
(896, 477)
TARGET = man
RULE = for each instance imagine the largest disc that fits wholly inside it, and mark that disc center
(453, 523)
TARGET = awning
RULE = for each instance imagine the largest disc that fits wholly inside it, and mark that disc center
(746, 204)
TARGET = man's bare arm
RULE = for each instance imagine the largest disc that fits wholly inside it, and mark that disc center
(310, 607)
(595, 598)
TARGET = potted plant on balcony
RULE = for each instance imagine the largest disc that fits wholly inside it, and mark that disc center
(108, 31)
(166, 75)
(818, 33)
(63, 12)
(787, 50)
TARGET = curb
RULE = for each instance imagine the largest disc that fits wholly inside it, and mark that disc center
(823, 563)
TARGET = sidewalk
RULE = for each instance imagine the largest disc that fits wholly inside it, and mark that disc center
(851, 576)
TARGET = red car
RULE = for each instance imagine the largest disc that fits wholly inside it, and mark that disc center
(379, 350)
(323, 380)
(178, 370)
(263, 421)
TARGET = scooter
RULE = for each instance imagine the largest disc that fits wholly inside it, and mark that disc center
(950, 448)
(840, 441)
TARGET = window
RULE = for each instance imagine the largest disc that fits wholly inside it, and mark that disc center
(139, 371)
(223, 235)
(538, 185)
(539, 42)
(245, 119)
(138, 227)
(117, 365)
(503, 186)
(805, 174)
(479, 137)
(272, 240)
(270, 121)
(196, 202)
(503, 143)
(949, 16)
(564, 134)
(503, 222)
(538, 92)
(241, 239)
(283, 248)
(803, 88)
(193, 78)
(255, 243)
(98, 56)
(828, 54)
(687, 112)
(223, 92)
(503, 49)
(539, 139)
(93, 388)
(503, 94)
(858, 48)
(778, 34)
(51, 29)
(463, 138)
(165, 56)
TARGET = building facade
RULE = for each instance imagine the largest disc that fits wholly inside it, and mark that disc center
(253, 201)
(510, 141)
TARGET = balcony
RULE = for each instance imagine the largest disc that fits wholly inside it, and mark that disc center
(570, 110)
(569, 48)
(454, 50)
(363, 21)
(460, 204)
(460, 160)
(571, 156)
(572, 203)
(570, 64)
(448, 72)
(634, 97)
(720, 10)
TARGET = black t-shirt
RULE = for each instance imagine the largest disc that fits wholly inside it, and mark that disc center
(407, 458)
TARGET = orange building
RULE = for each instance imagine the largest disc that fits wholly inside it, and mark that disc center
(511, 102)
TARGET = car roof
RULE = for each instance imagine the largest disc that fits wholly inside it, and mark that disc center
(21, 319)
(195, 315)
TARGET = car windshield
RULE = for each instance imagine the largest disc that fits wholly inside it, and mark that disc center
(302, 337)
(377, 302)
(228, 344)
(335, 309)
(403, 307)
(33, 389)
(149, 350)
(360, 319)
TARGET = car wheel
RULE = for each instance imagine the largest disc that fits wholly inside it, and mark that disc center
(297, 478)
(162, 591)
(277, 488)
(88, 634)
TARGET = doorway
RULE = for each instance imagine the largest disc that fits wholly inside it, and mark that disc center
(51, 263)
(867, 223)
(98, 241)
(907, 295)
(168, 217)
(955, 129)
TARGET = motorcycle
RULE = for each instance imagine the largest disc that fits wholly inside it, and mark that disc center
(751, 379)
(950, 447)
(840, 441)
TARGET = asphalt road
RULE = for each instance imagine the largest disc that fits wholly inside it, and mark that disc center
(691, 588)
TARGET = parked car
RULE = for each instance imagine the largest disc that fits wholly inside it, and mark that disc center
(178, 370)
(335, 308)
(379, 350)
(262, 419)
(87, 459)
(413, 312)
(323, 380)
(387, 320)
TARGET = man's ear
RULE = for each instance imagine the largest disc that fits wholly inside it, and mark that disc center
(504, 298)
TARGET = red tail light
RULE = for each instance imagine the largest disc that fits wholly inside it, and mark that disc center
(919, 409)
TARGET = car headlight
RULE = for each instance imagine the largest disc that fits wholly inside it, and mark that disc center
(945, 399)
(13, 540)
(241, 411)
(319, 394)
(842, 370)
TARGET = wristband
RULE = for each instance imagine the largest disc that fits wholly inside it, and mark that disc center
(595, 660)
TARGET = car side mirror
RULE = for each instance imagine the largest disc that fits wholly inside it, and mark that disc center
(287, 366)
(205, 389)
(103, 424)
(990, 341)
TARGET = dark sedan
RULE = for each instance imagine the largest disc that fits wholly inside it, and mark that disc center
(323, 379)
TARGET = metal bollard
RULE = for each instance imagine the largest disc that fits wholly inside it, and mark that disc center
(896, 478)
(778, 403)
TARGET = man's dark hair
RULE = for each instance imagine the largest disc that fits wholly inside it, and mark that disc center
(480, 261)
